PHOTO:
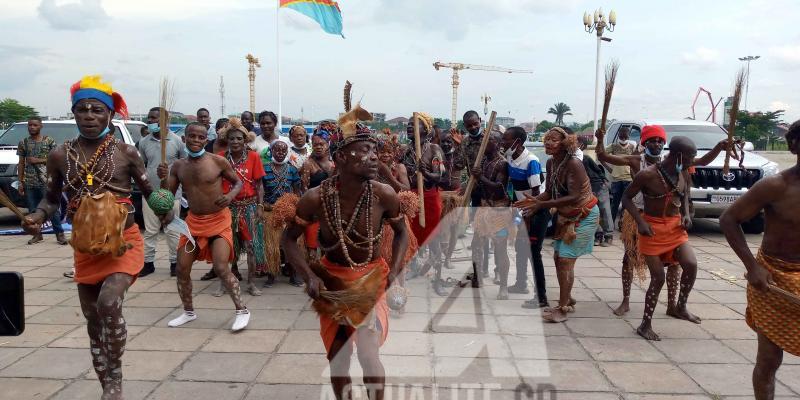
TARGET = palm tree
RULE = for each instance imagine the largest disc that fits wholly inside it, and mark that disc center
(560, 110)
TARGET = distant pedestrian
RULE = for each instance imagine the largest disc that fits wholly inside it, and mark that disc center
(32, 170)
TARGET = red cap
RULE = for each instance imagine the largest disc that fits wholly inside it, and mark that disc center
(653, 131)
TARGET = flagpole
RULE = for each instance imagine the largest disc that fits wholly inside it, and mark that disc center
(278, 62)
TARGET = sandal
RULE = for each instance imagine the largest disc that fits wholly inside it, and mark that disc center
(36, 239)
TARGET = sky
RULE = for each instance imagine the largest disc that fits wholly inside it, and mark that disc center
(666, 50)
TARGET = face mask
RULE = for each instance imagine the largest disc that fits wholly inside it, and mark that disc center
(193, 154)
(679, 164)
(476, 133)
(285, 159)
(153, 128)
(509, 152)
(179, 226)
(101, 135)
(651, 154)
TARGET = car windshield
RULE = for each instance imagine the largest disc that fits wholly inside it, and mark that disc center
(705, 137)
(59, 132)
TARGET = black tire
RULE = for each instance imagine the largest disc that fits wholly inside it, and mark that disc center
(754, 226)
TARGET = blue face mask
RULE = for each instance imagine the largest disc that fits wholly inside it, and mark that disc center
(649, 153)
(679, 168)
(100, 136)
(195, 154)
(153, 128)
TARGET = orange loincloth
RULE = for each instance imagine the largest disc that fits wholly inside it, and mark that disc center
(380, 312)
(311, 235)
(433, 213)
(770, 313)
(668, 235)
(204, 227)
(92, 270)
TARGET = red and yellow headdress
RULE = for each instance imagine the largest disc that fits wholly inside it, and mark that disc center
(91, 87)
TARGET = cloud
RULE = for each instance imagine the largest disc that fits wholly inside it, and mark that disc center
(701, 57)
(788, 56)
(779, 105)
(80, 15)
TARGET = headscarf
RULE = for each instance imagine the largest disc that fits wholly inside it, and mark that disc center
(653, 131)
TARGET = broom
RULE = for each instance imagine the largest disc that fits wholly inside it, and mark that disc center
(611, 78)
(737, 96)
(789, 296)
(166, 101)
(4, 200)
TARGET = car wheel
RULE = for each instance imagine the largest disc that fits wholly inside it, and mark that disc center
(755, 225)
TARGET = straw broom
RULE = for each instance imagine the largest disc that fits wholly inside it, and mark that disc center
(789, 296)
(737, 96)
(478, 159)
(166, 101)
(611, 78)
(420, 185)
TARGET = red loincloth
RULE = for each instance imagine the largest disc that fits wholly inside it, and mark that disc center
(668, 236)
(92, 270)
(433, 213)
(328, 326)
(204, 227)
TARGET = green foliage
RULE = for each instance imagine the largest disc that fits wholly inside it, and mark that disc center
(758, 127)
(12, 111)
(544, 126)
(443, 123)
(560, 110)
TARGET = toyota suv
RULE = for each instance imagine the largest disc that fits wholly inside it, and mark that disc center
(60, 131)
(710, 193)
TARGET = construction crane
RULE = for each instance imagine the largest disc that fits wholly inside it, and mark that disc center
(253, 64)
(713, 115)
(458, 67)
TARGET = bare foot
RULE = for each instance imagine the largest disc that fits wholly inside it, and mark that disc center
(555, 315)
(683, 313)
(647, 333)
(253, 289)
(502, 294)
(572, 302)
(623, 308)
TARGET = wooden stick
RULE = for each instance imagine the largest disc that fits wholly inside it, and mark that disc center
(420, 180)
(791, 297)
(479, 159)
(10, 204)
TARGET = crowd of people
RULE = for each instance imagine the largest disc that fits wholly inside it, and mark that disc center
(349, 213)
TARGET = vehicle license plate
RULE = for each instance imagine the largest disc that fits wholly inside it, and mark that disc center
(724, 198)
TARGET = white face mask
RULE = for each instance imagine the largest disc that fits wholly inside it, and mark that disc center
(509, 153)
(285, 159)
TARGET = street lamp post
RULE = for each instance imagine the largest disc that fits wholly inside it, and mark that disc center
(747, 84)
(597, 22)
(485, 99)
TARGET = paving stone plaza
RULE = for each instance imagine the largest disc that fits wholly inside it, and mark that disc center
(466, 346)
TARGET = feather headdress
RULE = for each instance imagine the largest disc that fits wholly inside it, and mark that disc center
(91, 87)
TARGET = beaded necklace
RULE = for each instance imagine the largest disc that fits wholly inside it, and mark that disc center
(332, 211)
(82, 183)
(280, 177)
(237, 165)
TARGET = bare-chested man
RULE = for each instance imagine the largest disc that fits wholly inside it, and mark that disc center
(351, 208)
(662, 227)
(771, 315)
(97, 164)
(209, 221)
(653, 139)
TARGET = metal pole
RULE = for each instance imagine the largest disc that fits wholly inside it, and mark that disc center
(278, 62)
(747, 84)
(597, 78)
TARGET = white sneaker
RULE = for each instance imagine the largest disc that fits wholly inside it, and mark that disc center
(186, 316)
(241, 321)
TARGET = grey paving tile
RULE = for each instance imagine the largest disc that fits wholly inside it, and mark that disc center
(472, 345)
(151, 365)
(22, 388)
(170, 339)
(622, 349)
(461, 370)
(290, 392)
(59, 315)
(593, 327)
(638, 377)
(726, 380)
(90, 389)
(698, 351)
(562, 375)
(37, 335)
(48, 297)
(295, 369)
(10, 355)
(546, 347)
(50, 364)
(223, 367)
(246, 341)
(198, 391)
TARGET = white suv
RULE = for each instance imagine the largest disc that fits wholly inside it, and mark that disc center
(710, 194)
